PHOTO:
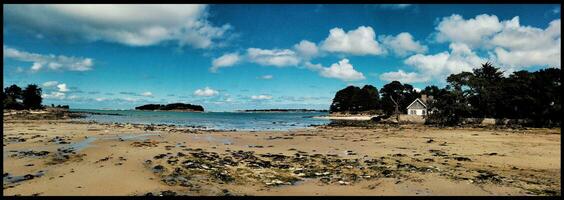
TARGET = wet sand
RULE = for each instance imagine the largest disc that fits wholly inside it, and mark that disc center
(60, 157)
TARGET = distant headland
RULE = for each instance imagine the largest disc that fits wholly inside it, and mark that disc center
(181, 107)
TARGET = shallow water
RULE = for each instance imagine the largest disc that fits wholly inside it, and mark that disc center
(10, 179)
(211, 120)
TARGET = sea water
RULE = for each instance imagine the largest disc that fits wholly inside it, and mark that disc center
(245, 121)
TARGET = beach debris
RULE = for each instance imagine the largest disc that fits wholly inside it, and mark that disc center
(31, 153)
(439, 153)
(167, 193)
(486, 176)
(158, 169)
(461, 158)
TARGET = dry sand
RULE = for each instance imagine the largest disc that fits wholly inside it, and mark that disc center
(407, 160)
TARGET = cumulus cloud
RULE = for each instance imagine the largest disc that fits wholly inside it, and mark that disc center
(306, 49)
(395, 6)
(273, 57)
(50, 84)
(437, 66)
(403, 77)
(206, 92)
(341, 70)
(514, 46)
(62, 87)
(360, 41)
(52, 62)
(261, 97)
(403, 44)
(124, 24)
(266, 77)
(518, 46)
(472, 32)
(54, 95)
(227, 60)
(147, 94)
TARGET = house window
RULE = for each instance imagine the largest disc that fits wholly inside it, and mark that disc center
(423, 111)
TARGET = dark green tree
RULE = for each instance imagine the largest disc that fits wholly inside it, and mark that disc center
(486, 84)
(448, 107)
(354, 99)
(12, 97)
(31, 96)
(402, 94)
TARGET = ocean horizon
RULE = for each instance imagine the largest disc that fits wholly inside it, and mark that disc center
(231, 120)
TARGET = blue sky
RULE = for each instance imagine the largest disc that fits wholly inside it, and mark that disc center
(229, 57)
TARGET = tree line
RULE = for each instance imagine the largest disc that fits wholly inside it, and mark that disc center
(482, 93)
(13, 97)
(172, 106)
(353, 99)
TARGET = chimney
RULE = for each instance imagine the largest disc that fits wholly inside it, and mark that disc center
(424, 98)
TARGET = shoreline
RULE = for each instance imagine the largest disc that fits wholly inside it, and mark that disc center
(323, 160)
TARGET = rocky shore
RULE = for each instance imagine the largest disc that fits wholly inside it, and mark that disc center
(65, 157)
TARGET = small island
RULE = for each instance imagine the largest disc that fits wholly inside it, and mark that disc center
(282, 110)
(178, 107)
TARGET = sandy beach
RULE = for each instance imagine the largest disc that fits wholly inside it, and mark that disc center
(62, 157)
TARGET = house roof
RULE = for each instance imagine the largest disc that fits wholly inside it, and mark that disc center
(416, 100)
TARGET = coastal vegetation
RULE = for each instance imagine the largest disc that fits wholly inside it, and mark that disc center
(532, 98)
(13, 97)
(172, 106)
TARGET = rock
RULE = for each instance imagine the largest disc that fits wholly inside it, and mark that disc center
(344, 183)
(387, 173)
(28, 177)
(168, 193)
(158, 169)
(460, 158)
(223, 176)
(170, 181)
(160, 156)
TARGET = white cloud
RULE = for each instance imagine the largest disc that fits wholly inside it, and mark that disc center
(274, 57)
(360, 41)
(73, 97)
(396, 6)
(510, 45)
(62, 87)
(437, 66)
(50, 61)
(53, 95)
(261, 97)
(342, 70)
(101, 99)
(50, 84)
(227, 60)
(266, 77)
(147, 94)
(306, 49)
(135, 25)
(403, 44)
(472, 32)
(36, 67)
(518, 47)
(206, 92)
(129, 99)
(403, 77)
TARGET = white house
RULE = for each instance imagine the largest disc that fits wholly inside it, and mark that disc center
(418, 106)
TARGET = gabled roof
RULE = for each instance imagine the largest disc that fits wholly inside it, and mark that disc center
(416, 101)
